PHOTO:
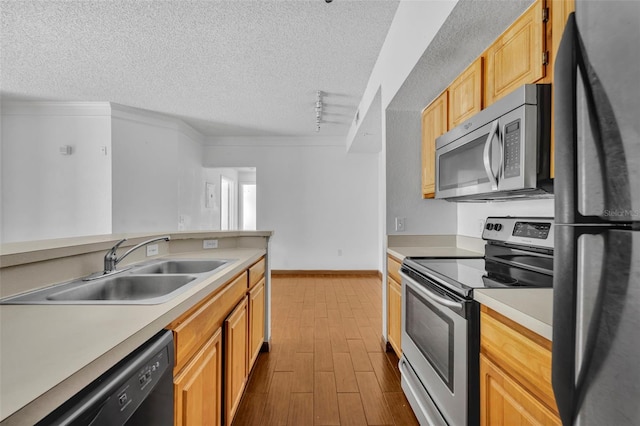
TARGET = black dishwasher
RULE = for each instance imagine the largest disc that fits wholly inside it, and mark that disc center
(136, 391)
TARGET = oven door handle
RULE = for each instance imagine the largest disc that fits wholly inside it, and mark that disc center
(486, 158)
(431, 296)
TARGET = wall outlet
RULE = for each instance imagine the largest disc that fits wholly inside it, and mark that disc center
(339, 252)
(152, 250)
(400, 224)
(209, 244)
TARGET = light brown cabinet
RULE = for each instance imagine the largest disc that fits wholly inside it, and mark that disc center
(507, 403)
(198, 364)
(219, 324)
(256, 321)
(244, 338)
(523, 54)
(394, 305)
(434, 124)
(515, 374)
(237, 358)
(394, 291)
(465, 94)
(518, 56)
(198, 386)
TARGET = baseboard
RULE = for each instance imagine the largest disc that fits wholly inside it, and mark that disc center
(288, 272)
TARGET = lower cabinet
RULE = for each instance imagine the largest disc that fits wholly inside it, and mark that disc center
(515, 374)
(256, 321)
(216, 344)
(394, 324)
(394, 304)
(198, 386)
(237, 358)
(507, 403)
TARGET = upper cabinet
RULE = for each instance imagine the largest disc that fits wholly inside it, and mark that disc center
(465, 94)
(523, 54)
(434, 124)
(518, 56)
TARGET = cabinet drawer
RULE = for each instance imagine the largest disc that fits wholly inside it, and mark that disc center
(256, 272)
(393, 268)
(196, 326)
(521, 353)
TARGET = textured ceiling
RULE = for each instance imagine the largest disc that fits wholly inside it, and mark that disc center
(226, 67)
(469, 29)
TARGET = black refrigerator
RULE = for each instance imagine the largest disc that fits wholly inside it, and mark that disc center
(596, 312)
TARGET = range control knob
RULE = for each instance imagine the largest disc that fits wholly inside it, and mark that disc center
(497, 226)
(489, 226)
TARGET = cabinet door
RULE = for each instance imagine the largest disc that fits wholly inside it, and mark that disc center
(256, 321)
(198, 387)
(236, 356)
(434, 124)
(394, 309)
(465, 94)
(517, 56)
(504, 402)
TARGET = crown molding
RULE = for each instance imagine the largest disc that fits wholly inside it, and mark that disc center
(265, 141)
(56, 108)
(155, 119)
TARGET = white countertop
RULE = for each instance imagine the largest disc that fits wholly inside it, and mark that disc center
(48, 353)
(401, 252)
(529, 307)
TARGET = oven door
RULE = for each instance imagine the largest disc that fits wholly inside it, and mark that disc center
(440, 343)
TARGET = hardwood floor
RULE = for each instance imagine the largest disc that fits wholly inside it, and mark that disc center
(327, 365)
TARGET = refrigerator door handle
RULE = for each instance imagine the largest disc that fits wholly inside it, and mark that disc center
(609, 146)
(564, 320)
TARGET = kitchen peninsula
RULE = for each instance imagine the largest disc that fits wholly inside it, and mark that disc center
(50, 352)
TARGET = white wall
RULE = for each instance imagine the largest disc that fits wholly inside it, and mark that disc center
(158, 182)
(314, 196)
(404, 186)
(48, 195)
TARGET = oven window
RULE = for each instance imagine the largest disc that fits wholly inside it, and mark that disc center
(432, 332)
(463, 166)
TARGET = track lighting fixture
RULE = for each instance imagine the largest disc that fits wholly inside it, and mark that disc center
(319, 106)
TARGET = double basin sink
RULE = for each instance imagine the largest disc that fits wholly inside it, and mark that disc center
(145, 284)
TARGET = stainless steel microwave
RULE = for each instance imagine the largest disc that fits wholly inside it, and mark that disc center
(502, 152)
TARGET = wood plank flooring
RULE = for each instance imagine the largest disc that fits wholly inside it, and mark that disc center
(327, 365)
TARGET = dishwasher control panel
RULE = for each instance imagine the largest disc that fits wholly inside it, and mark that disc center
(131, 393)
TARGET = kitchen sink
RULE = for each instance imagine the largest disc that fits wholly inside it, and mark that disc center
(149, 283)
(124, 288)
(181, 266)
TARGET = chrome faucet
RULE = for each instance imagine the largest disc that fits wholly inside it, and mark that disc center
(111, 259)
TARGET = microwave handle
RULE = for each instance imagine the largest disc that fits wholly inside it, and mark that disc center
(487, 159)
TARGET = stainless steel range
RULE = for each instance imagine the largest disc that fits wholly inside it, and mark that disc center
(441, 321)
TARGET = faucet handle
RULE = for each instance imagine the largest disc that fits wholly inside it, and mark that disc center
(115, 247)
(110, 257)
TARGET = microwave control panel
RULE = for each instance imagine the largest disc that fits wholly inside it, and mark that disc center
(512, 143)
